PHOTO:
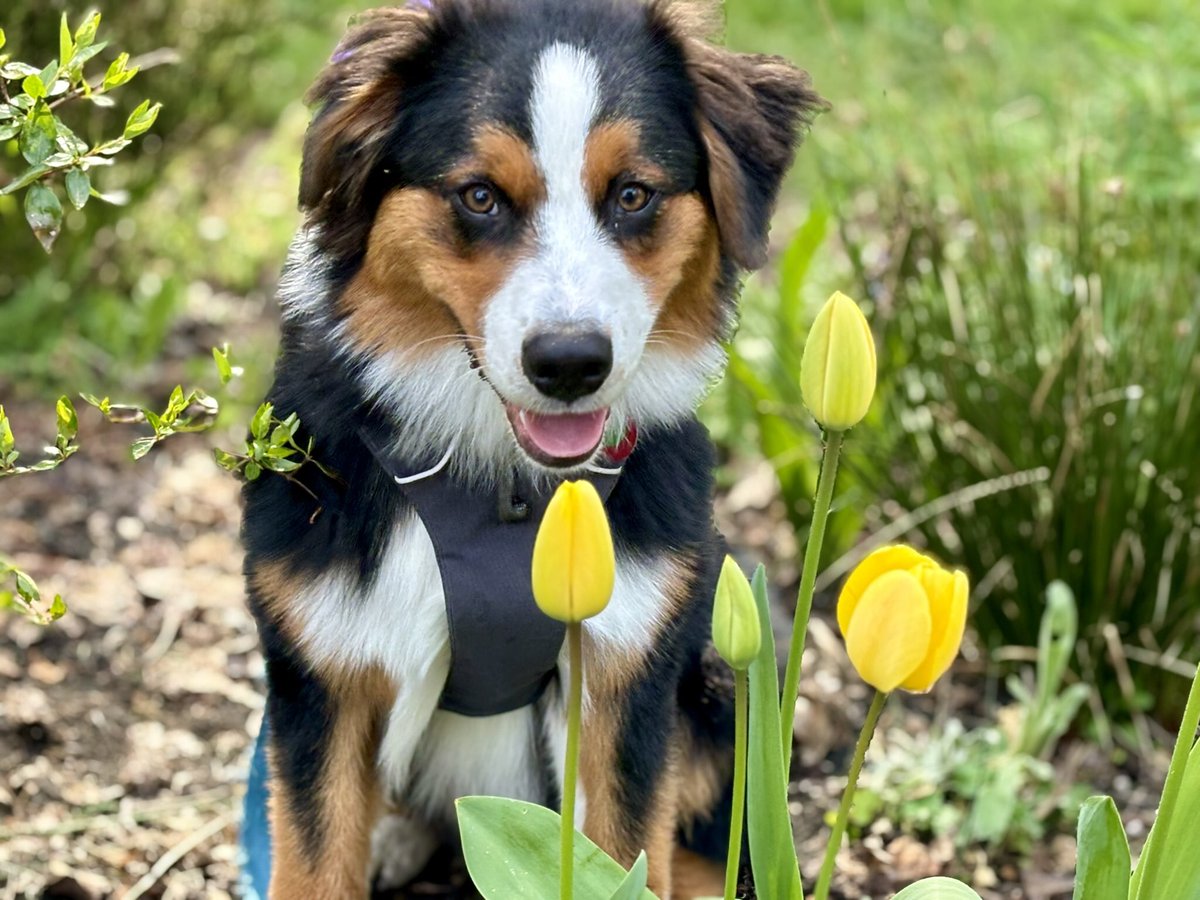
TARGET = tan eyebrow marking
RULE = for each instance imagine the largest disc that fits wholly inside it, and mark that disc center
(613, 148)
(508, 161)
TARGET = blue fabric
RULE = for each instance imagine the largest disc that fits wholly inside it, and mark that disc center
(256, 832)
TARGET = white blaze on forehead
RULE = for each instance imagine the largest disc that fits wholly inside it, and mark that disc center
(566, 97)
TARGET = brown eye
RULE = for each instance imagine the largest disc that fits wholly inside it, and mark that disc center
(479, 199)
(633, 197)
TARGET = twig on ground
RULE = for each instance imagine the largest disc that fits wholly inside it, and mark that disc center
(178, 852)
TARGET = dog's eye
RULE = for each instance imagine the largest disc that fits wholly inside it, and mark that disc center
(479, 199)
(633, 197)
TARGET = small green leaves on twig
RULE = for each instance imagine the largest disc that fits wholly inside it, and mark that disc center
(184, 414)
(26, 599)
(272, 447)
(67, 427)
(29, 97)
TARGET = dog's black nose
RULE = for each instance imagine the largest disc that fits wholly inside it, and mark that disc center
(567, 365)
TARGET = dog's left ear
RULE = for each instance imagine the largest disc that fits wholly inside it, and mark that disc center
(752, 109)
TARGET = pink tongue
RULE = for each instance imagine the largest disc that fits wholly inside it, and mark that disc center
(566, 435)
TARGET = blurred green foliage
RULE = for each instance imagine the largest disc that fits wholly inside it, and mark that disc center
(212, 188)
(1011, 193)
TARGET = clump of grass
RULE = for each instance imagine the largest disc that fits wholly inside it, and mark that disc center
(1019, 220)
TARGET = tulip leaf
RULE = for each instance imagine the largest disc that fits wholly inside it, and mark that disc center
(1179, 867)
(634, 884)
(511, 849)
(1102, 872)
(772, 849)
(938, 888)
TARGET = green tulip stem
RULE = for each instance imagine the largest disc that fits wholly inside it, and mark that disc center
(808, 579)
(571, 766)
(843, 814)
(733, 860)
(1166, 806)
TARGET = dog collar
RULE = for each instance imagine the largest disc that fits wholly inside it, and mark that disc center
(503, 649)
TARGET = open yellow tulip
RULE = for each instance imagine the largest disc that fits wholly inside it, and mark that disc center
(837, 370)
(573, 561)
(902, 616)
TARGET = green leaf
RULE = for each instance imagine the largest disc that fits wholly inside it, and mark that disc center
(772, 849)
(3, 39)
(28, 177)
(512, 850)
(261, 423)
(112, 78)
(9, 131)
(43, 212)
(634, 884)
(224, 369)
(104, 405)
(794, 265)
(1179, 873)
(1102, 870)
(142, 446)
(79, 187)
(937, 889)
(141, 119)
(86, 33)
(49, 73)
(58, 608)
(37, 137)
(252, 471)
(70, 142)
(34, 87)
(14, 70)
(282, 466)
(226, 460)
(68, 421)
(27, 588)
(7, 442)
(66, 47)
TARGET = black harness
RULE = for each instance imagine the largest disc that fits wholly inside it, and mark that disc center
(503, 649)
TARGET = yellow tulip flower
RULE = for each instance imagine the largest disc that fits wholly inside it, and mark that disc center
(837, 370)
(735, 629)
(902, 616)
(573, 561)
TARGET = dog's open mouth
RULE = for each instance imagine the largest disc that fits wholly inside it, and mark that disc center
(557, 439)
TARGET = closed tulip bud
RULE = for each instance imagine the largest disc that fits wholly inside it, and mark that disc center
(902, 616)
(837, 371)
(735, 629)
(573, 561)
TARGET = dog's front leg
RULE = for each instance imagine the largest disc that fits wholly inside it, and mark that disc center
(325, 795)
(628, 773)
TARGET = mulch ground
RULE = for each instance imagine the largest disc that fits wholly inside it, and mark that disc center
(124, 728)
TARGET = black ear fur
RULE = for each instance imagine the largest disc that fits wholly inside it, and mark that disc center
(751, 111)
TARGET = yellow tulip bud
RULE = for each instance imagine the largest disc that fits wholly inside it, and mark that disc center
(837, 370)
(573, 561)
(902, 616)
(735, 629)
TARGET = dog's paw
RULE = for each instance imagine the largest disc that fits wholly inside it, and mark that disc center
(400, 848)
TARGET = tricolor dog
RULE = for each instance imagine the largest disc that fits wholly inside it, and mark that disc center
(524, 227)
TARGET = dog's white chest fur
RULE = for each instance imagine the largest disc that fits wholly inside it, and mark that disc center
(430, 757)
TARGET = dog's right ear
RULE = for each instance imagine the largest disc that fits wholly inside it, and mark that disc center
(358, 95)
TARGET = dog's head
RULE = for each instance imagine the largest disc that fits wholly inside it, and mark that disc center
(534, 212)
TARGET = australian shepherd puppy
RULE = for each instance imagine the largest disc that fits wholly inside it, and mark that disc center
(525, 222)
